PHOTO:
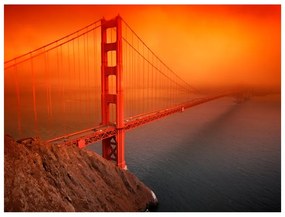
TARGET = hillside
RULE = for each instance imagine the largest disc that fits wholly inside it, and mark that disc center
(45, 177)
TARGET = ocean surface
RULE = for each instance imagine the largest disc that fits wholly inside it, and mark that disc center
(219, 156)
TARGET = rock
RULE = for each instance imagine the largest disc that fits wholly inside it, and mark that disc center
(45, 177)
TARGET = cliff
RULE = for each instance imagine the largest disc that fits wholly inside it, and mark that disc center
(45, 177)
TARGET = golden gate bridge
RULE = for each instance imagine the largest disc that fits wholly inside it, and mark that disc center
(102, 76)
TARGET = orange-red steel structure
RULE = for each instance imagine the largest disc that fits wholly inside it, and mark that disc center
(112, 147)
(111, 134)
(149, 79)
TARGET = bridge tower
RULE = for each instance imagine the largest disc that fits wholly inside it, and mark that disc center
(112, 148)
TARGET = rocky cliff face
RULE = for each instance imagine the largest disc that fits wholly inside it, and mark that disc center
(45, 177)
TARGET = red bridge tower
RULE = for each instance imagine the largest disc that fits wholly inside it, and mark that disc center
(112, 148)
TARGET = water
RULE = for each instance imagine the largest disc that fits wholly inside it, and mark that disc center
(219, 156)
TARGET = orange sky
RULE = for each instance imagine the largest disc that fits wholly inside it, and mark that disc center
(206, 45)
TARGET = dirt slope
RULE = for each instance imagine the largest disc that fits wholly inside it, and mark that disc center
(45, 177)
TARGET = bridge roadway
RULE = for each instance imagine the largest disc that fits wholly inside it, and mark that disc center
(95, 134)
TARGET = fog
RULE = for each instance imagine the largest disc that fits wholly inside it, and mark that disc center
(208, 46)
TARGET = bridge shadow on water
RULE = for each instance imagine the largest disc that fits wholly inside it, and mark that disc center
(213, 169)
(185, 159)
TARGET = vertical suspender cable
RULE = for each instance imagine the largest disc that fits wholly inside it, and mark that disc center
(84, 74)
(126, 75)
(88, 78)
(47, 80)
(79, 76)
(69, 77)
(132, 78)
(17, 89)
(34, 97)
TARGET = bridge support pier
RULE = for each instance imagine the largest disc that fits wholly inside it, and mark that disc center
(112, 148)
